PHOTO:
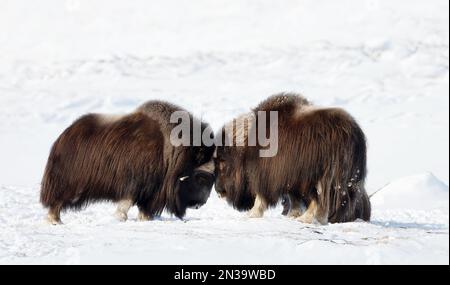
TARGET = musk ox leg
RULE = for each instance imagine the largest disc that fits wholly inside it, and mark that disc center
(53, 216)
(258, 208)
(321, 214)
(122, 210)
(143, 217)
(295, 210)
(316, 212)
(145, 211)
(309, 216)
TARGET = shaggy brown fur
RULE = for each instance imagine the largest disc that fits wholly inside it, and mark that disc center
(126, 158)
(321, 159)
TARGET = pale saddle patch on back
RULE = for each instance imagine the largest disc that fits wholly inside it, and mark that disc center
(105, 119)
(303, 110)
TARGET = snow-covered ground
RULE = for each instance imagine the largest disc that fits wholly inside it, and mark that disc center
(384, 61)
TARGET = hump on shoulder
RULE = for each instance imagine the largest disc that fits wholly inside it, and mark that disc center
(161, 112)
(158, 108)
(283, 102)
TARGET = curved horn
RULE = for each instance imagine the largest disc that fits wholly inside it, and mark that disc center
(184, 178)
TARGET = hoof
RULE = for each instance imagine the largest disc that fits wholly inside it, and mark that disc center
(294, 214)
(309, 219)
(53, 221)
(255, 214)
(143, 217)
(123, 217)
(306, 219)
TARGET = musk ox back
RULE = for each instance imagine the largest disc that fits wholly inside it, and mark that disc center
(320, 163)
(127, 159)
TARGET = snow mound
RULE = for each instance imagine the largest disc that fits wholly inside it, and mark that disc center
(420, 192)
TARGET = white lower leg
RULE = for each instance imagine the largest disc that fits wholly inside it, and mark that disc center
(309, 216)
(122, 209)
(321, 214)
(53, 217)
(313, 214)
(258, 208)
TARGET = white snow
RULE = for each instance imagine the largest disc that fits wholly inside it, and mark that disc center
(386, 62)
(420, 192)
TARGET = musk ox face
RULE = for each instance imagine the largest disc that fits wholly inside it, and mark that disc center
(195, 190)
(231, 182)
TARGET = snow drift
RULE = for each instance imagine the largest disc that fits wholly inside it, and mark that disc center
(420, 192)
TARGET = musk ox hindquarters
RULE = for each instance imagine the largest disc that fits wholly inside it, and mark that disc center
(319, 169)
(128, 159)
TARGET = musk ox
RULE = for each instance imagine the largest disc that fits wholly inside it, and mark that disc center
(319, 169)
(128, 159)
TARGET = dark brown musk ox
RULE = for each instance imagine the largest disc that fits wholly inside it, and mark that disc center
(319, 168)
(131, 160)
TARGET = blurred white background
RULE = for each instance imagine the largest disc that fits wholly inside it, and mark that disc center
(384, 61)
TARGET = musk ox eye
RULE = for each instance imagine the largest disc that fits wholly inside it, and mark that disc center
(204, 179)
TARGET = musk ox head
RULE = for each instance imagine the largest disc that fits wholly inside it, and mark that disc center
(231, 177)
(195, 187)
(191, 168)
(194, 171)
